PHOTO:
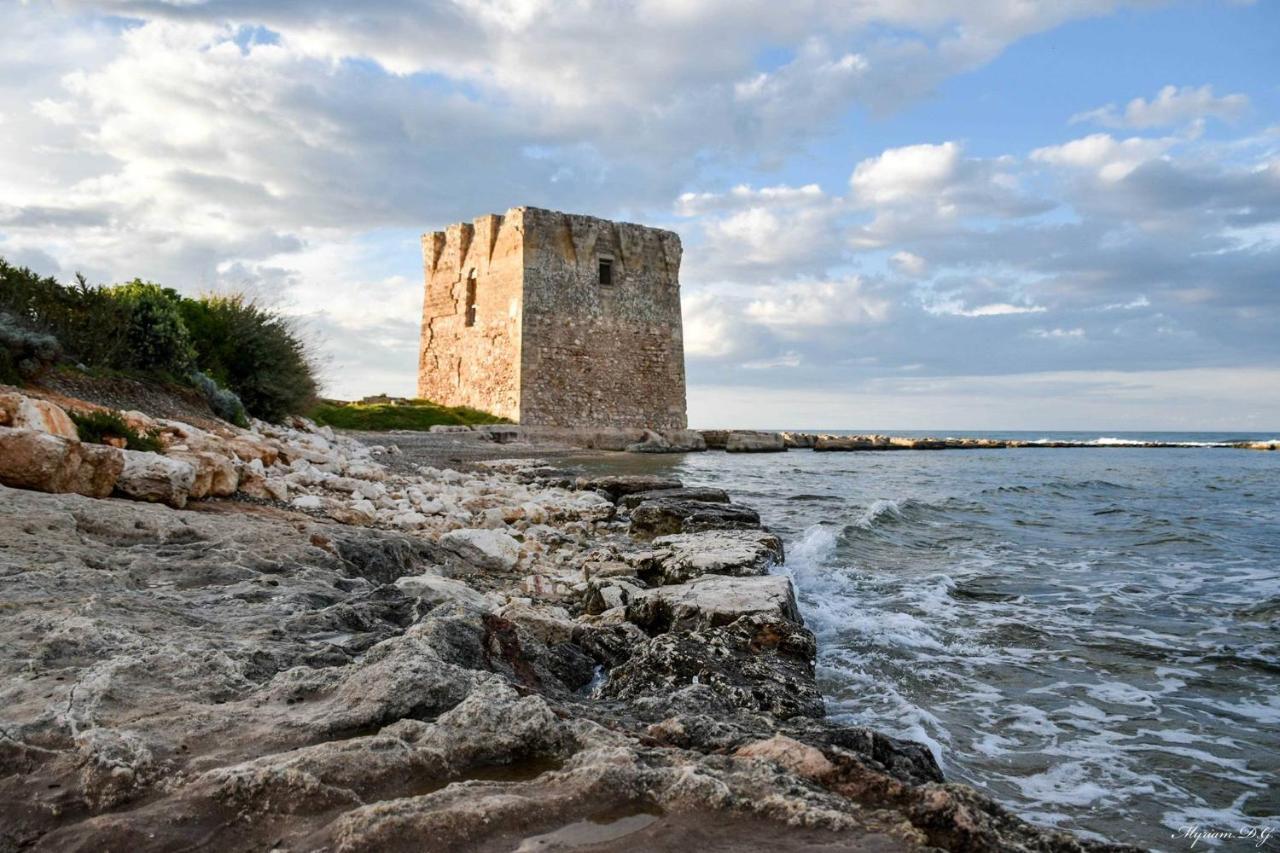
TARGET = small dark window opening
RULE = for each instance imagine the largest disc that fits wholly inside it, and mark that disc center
(471, 300)
(606, 270)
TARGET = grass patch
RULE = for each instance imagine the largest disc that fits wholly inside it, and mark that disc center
(97, 427)
(412, 415)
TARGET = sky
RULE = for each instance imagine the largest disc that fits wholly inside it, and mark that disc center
(911, 214)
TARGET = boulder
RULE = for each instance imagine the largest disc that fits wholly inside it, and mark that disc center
(694, 493)
(711, 601)
(44, 462)
(740, 553)
(156, 479)
(670, 515)
(756, 662)
(433, 590)
(23, 412)
(614, 487)
(486, 549)
(755, 442)
(215, 473)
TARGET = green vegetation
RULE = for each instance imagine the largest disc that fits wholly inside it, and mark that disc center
(243, 358)
(412, 414)
(97, 426)
(253, 351)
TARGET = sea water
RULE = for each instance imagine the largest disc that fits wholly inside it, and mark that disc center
(1091, 636)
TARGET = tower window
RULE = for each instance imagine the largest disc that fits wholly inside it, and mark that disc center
(606, 270)
(471, 299)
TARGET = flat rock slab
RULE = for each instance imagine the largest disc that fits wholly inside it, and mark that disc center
(614, 487)
(692, 493)
(713, 600)
(671, 515)
(755, 442)
(684, 556)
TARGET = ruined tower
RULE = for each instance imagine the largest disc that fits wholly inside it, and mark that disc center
(555, 319)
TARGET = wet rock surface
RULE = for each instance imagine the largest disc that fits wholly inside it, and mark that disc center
(418, 657)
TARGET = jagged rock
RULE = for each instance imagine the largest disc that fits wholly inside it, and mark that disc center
(671, 441)
(33, 459)
(711, 601)
(610, 593)
(667, 515)
(684, 556)
(694, 493)
(756, 662)
(614, 487)
(754, 442)
(851, 442)
(798, 439)
(156, 479)
(801, 759)
(18, 411)
(486, 549)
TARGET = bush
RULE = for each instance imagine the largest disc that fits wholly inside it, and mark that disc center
(24, 354)
(97, 426)
(253, 356)
(225, 404)
(86, 320)
(254, 352)
(156, 335)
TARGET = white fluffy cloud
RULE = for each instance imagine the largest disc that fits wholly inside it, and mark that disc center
(1171, 106)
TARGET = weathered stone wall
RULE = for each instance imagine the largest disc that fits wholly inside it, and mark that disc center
(478, 365)
(609, 355)
(551, 345)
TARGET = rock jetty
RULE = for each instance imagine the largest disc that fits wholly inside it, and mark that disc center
(282, 638)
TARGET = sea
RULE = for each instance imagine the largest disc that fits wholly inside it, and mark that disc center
(1091, 635)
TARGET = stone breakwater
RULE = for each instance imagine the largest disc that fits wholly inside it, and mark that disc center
(282, 638)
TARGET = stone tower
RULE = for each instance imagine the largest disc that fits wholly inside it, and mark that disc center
(554, 319)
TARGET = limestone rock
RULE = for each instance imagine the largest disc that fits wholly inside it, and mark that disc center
(215, 474)
(798, 439)
(685, 556)
(23, 412)
(696, 493)
(799, 758)
(851, 442)
(713, 600)
(42, 461)
(486, 549)
(156, 479)
(615, 486)
(755, 442)
(434, 590)
(715, 439)
(670, 515)
(755, 662)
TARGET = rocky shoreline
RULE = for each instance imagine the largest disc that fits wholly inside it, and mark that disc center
(283, 638)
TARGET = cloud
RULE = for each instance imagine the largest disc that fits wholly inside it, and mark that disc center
(1171, 105)
(1110, 158)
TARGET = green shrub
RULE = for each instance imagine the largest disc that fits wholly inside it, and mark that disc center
(225, 404)
(97, 426)
(24, 354)
(253, 351)
(155, 333)
(254, 356)
(85, 319)
(417, 415)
